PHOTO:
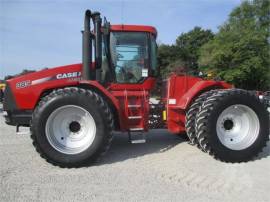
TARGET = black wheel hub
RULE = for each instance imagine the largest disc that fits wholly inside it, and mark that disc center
(228, 124)
(74, 126)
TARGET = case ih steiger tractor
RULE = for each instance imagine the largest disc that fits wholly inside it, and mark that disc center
(72, 110)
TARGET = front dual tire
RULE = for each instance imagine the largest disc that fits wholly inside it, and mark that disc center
(72, 127)
(232, 125)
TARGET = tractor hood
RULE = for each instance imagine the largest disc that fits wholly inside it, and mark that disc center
(49, 74)
(37, 83)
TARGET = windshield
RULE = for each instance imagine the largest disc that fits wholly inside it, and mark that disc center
(130, 57)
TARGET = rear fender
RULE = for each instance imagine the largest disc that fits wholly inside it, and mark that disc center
(181, 91)
(199, 88)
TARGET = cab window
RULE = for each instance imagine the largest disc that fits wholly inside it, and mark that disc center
(130, 57)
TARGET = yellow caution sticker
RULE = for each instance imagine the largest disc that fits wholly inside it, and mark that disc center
(164, 115)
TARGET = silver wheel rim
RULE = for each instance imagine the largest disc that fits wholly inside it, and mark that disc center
(238, 127)
(70, 129)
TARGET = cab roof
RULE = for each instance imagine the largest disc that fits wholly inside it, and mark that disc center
(134, 28)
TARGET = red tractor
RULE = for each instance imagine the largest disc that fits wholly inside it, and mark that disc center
(72, 110)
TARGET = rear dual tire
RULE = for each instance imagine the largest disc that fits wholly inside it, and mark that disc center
(191, 116)
(232, 125)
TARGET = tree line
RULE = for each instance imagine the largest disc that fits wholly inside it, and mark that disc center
(238, 53)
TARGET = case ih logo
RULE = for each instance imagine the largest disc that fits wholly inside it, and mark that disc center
(68, 75)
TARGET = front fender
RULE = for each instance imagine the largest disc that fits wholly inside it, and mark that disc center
(100, 88)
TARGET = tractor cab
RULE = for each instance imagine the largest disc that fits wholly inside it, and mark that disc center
(124, 54)
(133, 53)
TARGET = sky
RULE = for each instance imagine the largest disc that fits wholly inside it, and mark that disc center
(47, 33)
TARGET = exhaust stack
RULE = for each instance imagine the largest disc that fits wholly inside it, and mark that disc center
(87, 72)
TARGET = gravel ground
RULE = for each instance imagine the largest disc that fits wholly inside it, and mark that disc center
(166, 168)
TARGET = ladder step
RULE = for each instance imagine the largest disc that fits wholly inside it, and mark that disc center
(136, 129)
(134, 117)
(134, 106)
(136, 138)
(138, 141)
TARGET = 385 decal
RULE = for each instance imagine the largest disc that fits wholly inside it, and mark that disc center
(23, 84)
